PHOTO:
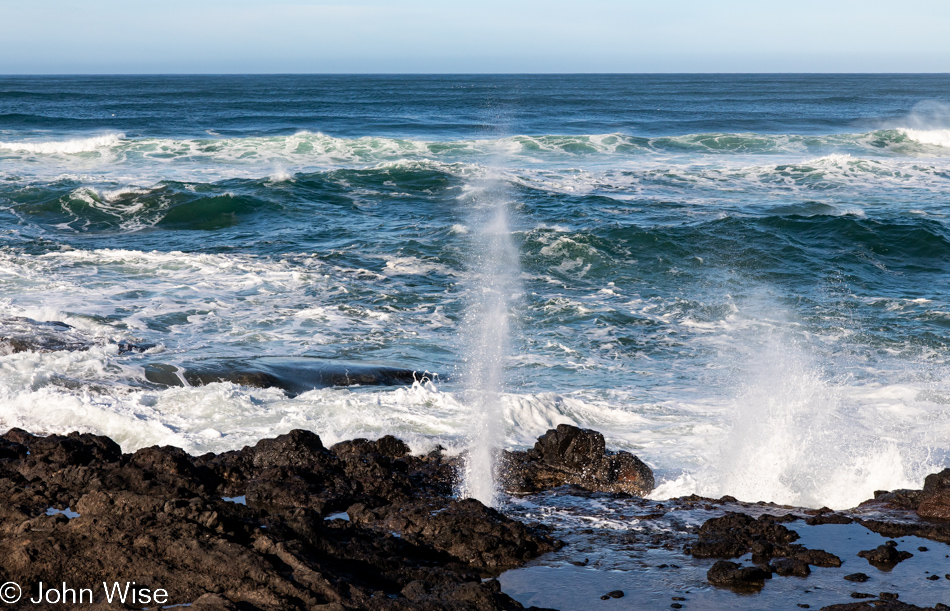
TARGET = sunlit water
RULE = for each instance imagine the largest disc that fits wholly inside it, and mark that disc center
(741, 279)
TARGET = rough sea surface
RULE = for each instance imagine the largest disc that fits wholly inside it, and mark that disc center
(744, 280)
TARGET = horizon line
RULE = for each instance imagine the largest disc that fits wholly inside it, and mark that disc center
(785, 73)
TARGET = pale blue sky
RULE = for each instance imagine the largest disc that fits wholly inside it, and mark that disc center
(144, 36)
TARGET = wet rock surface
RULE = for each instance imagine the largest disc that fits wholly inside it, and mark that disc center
(293, 375)
(21, 334)
(76, 509)
(923, 513)
(737, 534)
(885, 556)
(883, 604)
(734, 575)
(720, 554)
(569, 455)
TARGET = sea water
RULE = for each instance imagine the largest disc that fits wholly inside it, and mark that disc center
(741, 279)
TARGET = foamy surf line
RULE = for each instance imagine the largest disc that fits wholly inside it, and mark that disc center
(328, 148)
(66, 147)
(223, 416)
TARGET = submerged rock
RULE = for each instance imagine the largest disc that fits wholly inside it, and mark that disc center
(883, 604)
(575, 456)
(293, 375)
(21, 334)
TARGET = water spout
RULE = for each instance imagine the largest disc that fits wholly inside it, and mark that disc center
(494, 283)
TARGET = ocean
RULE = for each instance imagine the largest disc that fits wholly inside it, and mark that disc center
(742, 279)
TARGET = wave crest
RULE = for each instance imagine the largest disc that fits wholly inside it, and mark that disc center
(936, 137)
(65, 147)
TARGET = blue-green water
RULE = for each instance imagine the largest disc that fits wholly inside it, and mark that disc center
(743, 279)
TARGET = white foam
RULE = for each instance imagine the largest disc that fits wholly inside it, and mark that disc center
(65, 147)
(412, 266)
(936, 137)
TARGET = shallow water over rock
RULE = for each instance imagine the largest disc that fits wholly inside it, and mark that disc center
(637, 546)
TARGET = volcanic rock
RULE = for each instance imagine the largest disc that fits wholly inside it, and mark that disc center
(160, 517)
(735, 576)
(885, 556)
(935, 497)
(293, 375)
(877, 605)
(790, 567)
(569, 455)
(735, 534)
(857, 577)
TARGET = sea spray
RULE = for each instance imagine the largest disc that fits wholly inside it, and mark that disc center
(494, 282)
(797, 428)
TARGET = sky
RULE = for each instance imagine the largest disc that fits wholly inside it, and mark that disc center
(446, 36)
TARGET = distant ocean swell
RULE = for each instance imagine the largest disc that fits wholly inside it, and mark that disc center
(900, 141)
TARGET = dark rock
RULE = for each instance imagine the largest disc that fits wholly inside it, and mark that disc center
(735, 576)
(875, 605)
(931, 503)
(899, 499)
(569, 455)
(467, 530)
(735, 534)
(828, 518)
(615, 594)
(937, 481)
(158, 514)
(814, 557)
(297, 449)
(858, 577)
(936, 530)
(790, 567)
(884, 556)
(935, 497)
(293, 375)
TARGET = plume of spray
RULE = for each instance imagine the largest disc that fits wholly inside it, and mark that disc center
(493, 285)
(802, 431)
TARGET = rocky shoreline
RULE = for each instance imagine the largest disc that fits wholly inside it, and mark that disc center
(291, 524)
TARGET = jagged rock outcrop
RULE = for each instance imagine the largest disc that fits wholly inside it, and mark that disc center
(286, 524)
(579, 457)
